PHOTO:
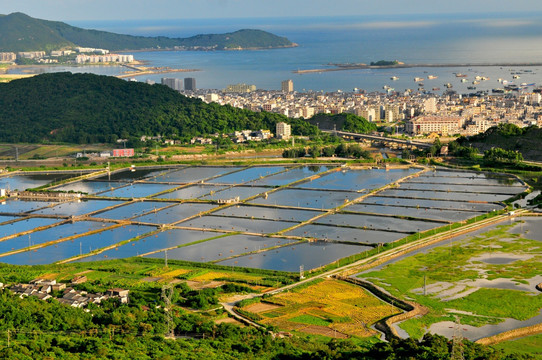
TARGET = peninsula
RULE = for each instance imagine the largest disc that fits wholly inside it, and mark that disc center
(22, 33)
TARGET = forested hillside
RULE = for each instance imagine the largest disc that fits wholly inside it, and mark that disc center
(509, 137)
(87, 108)
(20, 32)
(344, 122)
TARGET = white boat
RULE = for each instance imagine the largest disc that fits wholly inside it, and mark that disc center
(394, 78)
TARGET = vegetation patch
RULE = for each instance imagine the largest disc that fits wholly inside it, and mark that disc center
(310, 320)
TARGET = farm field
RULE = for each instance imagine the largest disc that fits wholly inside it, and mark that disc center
(485, 281)
(324, 307)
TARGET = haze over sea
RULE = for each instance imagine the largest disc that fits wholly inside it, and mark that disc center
(495, 38)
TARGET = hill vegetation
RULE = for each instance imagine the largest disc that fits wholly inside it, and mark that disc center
(508, 137)
(20, 32)
(87, 108)
(344, 122)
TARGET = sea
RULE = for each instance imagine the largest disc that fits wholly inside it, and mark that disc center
(491, 38)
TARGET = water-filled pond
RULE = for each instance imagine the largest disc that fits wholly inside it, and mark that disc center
(290, 258)
(191, 192)
(435, 204)
(484, 189)
(336, 233)
(458, 196)
(315, 199)
(162, 240)
(531, 228)
(194, 174)
(137, 190)
(246, 175)
(221, 248)
(24, 225)
(378, 222)
(243, 192)
(22, 206)
(29, 181)
(90, 187)
(132, 209)
(51, 234)
(78, 207)
(268, 213)
(355, 180)
(83, 245)
(290, 176)
(237, 224)
(174, 213)
(422, 213)
(138, 174)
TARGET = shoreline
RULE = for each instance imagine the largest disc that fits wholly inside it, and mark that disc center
(342, 67)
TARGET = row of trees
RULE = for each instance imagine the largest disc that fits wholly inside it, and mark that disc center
(344, 150)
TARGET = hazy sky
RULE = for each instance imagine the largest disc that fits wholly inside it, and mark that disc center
(66, 10)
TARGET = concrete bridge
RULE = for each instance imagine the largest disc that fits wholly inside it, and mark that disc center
(356, 136)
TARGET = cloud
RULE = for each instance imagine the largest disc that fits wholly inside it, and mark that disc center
(501, 23)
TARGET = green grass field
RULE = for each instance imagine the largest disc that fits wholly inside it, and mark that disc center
(450, 272)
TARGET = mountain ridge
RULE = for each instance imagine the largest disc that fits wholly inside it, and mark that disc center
(20, 32)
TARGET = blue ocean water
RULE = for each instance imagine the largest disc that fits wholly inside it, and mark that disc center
(493, 38)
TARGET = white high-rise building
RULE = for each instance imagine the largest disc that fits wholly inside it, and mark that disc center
(284, 131)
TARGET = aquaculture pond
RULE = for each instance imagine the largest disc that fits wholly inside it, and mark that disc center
(336, 233)
(246, 175)
(23, 206)
(356, 180)
(237, 224)
(30, 181)
(24, 225)
(293, 174)
(191, 192)
(314, 199)
(194, 174)
(79, 246)
(89, 187)
(78, 207)
(205, 198)
(174, 213)
(290, 258)
(415, 212)
(132, 209)
(50, 234)
(268, 213)
(163, 240)
(137, 190)
(221, 248)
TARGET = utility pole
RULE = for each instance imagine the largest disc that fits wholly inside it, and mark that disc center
(167, 292)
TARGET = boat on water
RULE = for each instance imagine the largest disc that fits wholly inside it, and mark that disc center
(448, 85)
(515, 76)
(436, 89)
(471, 87)
(418, 79)
(459, 75)
(463, 80)
(475, 82)
(432, 77)
(394, 78)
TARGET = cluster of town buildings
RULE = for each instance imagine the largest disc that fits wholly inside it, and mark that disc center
(413, 113)
(84, 55)
(43, 289)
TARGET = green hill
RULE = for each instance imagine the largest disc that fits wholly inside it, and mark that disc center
(20, 32)
(343, 122)
(509, 137)
(87, 108)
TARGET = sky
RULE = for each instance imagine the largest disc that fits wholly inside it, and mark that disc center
(77, 10)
